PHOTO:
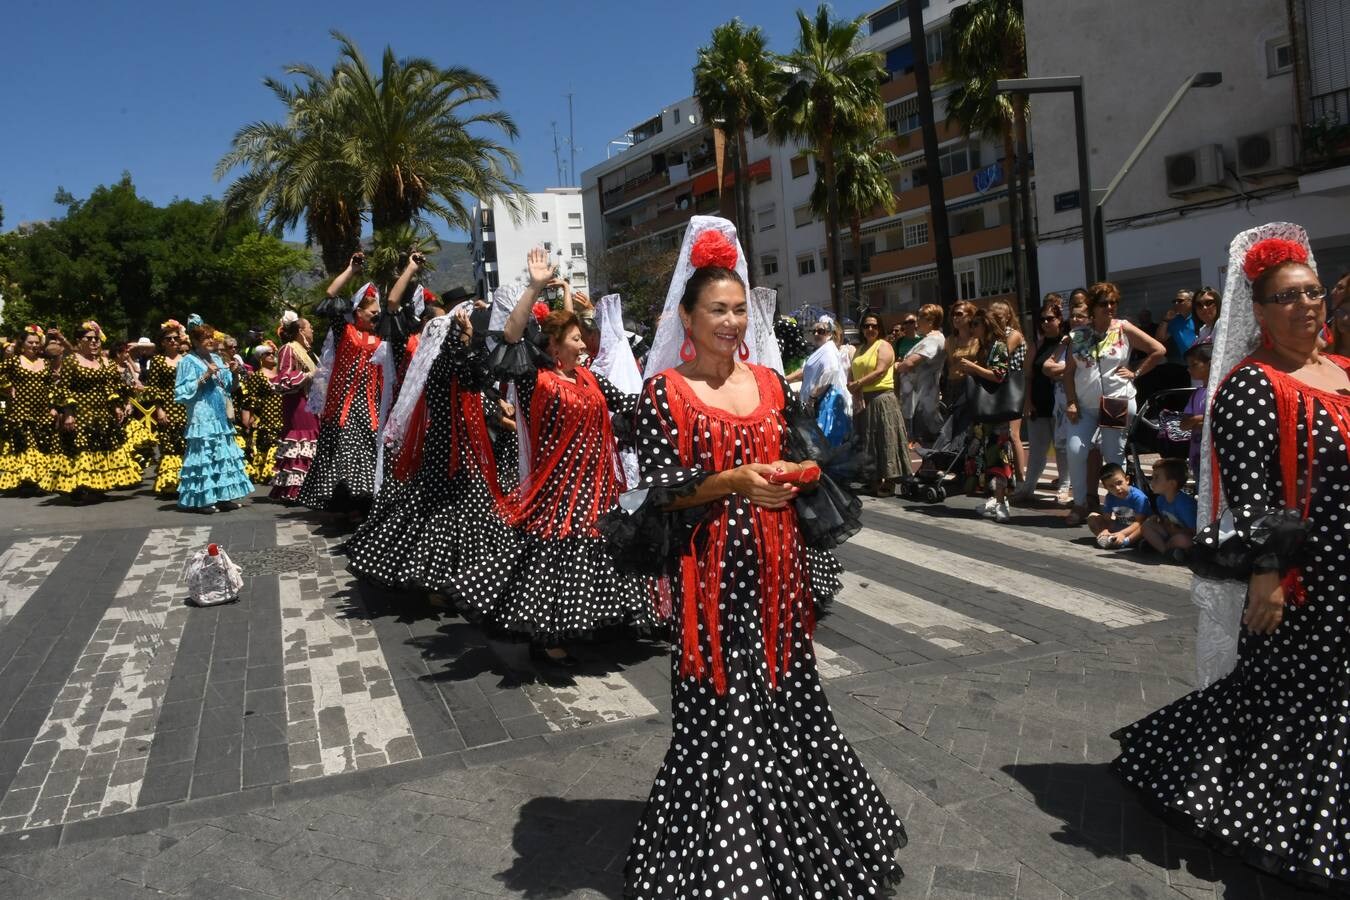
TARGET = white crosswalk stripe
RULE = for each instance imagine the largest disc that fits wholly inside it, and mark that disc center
(591, 700)
(1106, 611)
(93, 747)
(1011, 536)
(25, 565)
(343, 712)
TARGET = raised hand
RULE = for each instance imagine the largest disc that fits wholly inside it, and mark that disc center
(540, 269)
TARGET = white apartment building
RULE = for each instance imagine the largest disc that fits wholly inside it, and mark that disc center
(1231, 156)
(663, 171)
(501, 243)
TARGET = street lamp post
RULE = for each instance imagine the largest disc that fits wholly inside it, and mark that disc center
(1092, 204)
(1072, 84)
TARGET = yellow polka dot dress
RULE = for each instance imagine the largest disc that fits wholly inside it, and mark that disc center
(263, 403)
(92, 456)
(159, 382)
(26, 436)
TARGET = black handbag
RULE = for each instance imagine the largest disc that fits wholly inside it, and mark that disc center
(991, 403)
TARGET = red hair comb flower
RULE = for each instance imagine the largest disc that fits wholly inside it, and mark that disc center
(540, 311)
(713, 248)
(1272, 252)
(372, 292)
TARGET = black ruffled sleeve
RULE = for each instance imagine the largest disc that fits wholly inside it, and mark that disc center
(1259, 534)
(466, 364)
(829, 513)
(623, 409)
(645, 536)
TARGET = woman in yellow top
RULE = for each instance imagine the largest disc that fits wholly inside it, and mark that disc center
(881, 424)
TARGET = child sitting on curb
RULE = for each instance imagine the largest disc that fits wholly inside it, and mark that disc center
(1172, 529)
(1122, 517)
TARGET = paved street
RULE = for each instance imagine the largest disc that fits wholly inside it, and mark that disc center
(321, 738)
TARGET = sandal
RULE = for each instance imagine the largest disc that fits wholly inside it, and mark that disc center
(1075, 518)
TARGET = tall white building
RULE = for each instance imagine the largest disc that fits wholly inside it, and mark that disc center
(501, 243)
(1268, 144)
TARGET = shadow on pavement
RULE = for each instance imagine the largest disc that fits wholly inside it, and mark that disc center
(564, 846)
(1104, 816)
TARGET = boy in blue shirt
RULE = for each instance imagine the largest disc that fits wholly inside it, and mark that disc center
(1122, 517)
(1172, 529)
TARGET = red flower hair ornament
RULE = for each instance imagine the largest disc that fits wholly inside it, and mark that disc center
(540, 311)
(372, 293)
(1270, 253)
(713, 248)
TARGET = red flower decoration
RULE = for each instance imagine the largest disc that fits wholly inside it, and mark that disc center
(372, 293)
(541, 311)
(1272, 252)
(428, 296)
(713, 248)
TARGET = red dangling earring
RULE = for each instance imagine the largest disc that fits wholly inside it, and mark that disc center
(1266, 342)
(687, 351)
(744, 351)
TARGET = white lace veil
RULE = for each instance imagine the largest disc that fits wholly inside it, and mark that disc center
(665, 352)
(1236, 336)
(616, 363)
(828, 364)
(429, 347)
(318, 386)
(504, 299)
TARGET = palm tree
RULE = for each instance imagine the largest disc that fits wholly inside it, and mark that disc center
(861, 164)
(418, 136)
(830, 87)
(389, 249)
(733, 81)
(989, 43)
(937, 201)
(295, 172)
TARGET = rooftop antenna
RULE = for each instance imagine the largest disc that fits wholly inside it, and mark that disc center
(557, 156)
(571, 139)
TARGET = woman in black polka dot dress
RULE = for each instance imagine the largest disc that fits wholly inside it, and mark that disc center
(759, 795)
(1255, 763)
(560, 582)
(26, 382)
(341, 477)
(436, 513)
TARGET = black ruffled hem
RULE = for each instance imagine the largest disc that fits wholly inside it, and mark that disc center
(1258, 857)
(643, 536)
(521, 631)
(512, 362)
(828, 515)
(1274, 543)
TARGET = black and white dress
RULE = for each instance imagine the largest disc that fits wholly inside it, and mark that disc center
(559, 581)
(438, 512)
(341, 476)
(1256, 762)
(760, 795)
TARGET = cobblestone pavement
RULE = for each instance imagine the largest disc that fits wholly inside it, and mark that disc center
(321, 738)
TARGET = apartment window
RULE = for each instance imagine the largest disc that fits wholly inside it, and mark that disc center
(543, 217)
(1279, 57)
(578, 250)
(578, 279)
(765, 220)
(806, 265)
(968, 220)
(574, 220)
(965, 283)
(768, 264)
(675, 116)
(548, 246)
(903, 117)
(800, 166)
(996, 275)
(890, 15)
(916, 233)
(937, 44)
(960, 158)
(802, 216)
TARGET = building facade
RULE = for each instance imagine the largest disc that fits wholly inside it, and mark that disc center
(1270, 143)
(664, 171)
(501, 243)
(898, 256)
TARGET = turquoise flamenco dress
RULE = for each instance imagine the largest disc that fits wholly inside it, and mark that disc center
(213, 465)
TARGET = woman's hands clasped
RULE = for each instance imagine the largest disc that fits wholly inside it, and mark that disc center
(752, 482)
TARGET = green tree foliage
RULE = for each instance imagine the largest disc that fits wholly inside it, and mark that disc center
(734, 82)
(120, 259)
(830, 88)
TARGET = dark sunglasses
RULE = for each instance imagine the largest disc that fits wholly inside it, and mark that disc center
(1206, 304)
(1045, 319)
(867, 325)
(909, 323)
(1316, 293)
(820, 330)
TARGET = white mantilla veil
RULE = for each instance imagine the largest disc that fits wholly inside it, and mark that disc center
(616, 363)
(504, 299)
(318, 386)
(665, 352)
(1236, 336)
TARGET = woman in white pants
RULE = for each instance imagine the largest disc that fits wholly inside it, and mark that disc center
(1099, 388)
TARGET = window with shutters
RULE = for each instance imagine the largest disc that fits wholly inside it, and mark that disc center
(806, 265)
(768, 264)
(916, 233)
(903, 117)
(765, 219)
(800, 166)
(802, 216)
(996, 276)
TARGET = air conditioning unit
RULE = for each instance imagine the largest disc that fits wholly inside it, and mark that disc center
(1266, 152)
(1200, 169)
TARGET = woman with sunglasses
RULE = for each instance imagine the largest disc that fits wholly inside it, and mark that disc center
(824, 380)
(1099, 389)
(880, 423)
(1039, 413)
(90, 398)
(989, 463)
(961, 344)
(1206, 308)
(920, 373)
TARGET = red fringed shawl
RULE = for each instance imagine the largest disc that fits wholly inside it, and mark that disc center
(1287, 392)
(716, 441)
(573, 446)
(352, 358)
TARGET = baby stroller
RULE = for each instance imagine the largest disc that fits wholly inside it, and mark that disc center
(1156, 428)
(946, 455)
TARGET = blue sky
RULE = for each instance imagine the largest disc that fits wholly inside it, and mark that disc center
(158, 88)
